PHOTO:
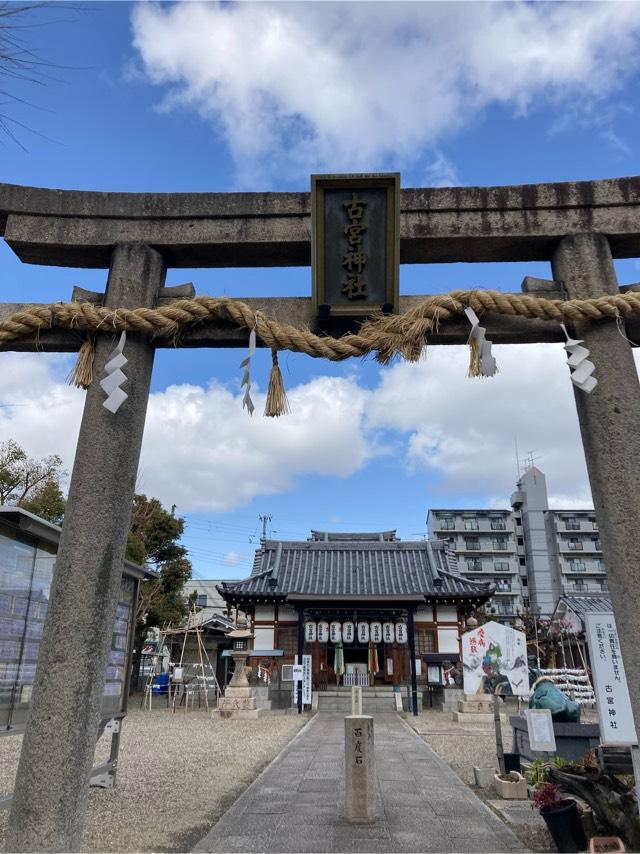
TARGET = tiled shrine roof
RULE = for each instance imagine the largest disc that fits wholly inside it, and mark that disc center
(372, 566)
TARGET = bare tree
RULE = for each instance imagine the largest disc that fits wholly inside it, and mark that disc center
(19, 63)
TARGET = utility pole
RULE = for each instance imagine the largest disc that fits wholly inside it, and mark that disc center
(264, 520)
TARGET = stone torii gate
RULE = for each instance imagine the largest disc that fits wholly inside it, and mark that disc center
(578, 227)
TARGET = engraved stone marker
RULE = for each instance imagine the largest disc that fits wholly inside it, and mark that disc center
(360, 769)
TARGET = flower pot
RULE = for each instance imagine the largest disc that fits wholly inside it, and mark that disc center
(564, 825)
(608, 844)
(515, 788)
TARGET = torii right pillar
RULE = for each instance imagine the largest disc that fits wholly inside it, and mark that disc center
(610, 426)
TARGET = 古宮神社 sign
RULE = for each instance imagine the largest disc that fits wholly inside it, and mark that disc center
(610, 682)
(355, 244)
(494, 654)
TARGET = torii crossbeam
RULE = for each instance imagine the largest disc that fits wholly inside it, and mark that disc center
(578, 227)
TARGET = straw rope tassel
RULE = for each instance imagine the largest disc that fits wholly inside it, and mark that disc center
(277, 403)
(82, 374)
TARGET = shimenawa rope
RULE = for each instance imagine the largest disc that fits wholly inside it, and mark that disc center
(385, 335)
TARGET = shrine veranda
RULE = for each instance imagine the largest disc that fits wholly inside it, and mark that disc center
(578, 227)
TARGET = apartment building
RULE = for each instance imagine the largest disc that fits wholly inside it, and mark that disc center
(486, 545)
(533, 554)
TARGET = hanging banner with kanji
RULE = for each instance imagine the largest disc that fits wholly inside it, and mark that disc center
(494, 655)
(610, 682)
(355, 244)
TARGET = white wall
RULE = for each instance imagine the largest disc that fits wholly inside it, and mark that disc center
(264, 638)
(446, 615)
(448, 640)
(264, 612)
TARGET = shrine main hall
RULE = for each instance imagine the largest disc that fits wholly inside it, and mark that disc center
(368, 608)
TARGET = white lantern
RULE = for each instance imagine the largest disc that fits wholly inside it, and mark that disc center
(388, 633)
(310, 632)
(376, 632)
(335, 632)
(323, 632)
(401, 632)
(363, 632)
(348, 632)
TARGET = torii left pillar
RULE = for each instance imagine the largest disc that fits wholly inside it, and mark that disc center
(52, 785)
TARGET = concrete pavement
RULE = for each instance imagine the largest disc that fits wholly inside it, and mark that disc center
(297, 803)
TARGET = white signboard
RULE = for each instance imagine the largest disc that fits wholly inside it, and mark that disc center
(610, 682)
(348, 632)
(493, 654)
(310, 632)
(540, 729)
(297, 673)
(376, 632)
(323, 632)
(363, 632)
(401, 633)
(335, 632)
(306, 680)
(388, 632)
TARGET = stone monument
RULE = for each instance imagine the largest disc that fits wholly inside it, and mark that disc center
(239, 699)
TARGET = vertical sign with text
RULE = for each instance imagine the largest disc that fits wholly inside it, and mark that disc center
(610, 682)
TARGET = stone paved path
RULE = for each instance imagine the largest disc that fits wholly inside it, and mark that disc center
(297, 804)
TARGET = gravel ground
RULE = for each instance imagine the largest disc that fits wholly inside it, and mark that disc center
(177, 775)
(466, 746)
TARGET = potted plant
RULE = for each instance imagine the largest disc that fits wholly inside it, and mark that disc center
(561, 817)
(511, 786)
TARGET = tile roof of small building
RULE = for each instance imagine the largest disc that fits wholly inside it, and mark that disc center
(588, 604)
(364, 567)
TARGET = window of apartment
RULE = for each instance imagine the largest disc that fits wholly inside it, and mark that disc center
(447, 524)
(498, 525)
(503, 586)
(425, 641)
(471, 525)
(572, 524)
(577, 566)
(525, 602)
(520, 541)
(595, 543)
(598, 565)
(500, 544)
(472, 544)
(523, 562)
(594, 524)
(518, 521)
(501, 565)
(579, 585)
(604, 587)
(201, 600)
(524, 581)
(575, 544)
(474, 565)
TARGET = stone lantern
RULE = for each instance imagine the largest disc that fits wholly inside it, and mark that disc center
(239, 699)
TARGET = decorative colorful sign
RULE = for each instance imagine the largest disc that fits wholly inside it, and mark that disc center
(348, 632)
(335, 632)
(610, 681)
(323, 632)
(310, 632)
(363, 632)
(494, 654)
(401, 632)
(388, 632)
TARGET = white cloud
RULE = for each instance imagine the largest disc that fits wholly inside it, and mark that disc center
(300, 86)
(202, 452)
(233, 558)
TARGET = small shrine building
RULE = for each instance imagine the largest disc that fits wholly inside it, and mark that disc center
(368, 607)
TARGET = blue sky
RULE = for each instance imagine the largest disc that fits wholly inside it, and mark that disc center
(220, 97)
